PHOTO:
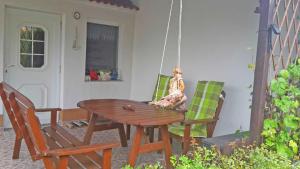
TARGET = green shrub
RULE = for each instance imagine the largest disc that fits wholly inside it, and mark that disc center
(242, 158)
(282, 130)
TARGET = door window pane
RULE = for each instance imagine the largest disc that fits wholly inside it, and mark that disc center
(38, 47)
(38, 34)
(26, 47)
(26, 60)
(38, 61)
(26, 33)
(32, 46)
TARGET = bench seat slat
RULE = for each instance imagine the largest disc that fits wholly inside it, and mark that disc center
(76, 142)
(53, 145)
(69, 142)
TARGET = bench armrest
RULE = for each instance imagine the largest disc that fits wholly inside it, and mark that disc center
(79, 150)
(201, 121)
(48, 109)
(53, 114)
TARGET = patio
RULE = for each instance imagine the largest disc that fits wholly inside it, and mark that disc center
(102, 60)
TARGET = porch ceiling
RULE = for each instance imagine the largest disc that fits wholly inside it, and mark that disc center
(120, 3)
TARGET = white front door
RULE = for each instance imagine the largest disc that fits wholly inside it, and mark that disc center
(32, 57)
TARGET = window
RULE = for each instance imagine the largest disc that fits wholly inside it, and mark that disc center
(32, 47)
(102, 51)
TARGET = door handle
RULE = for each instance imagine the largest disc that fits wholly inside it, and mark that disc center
(8, 66)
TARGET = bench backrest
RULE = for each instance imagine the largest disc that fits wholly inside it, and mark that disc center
(28, 123)
(18, 125)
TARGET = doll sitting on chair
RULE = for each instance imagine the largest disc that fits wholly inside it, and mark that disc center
(176, 98)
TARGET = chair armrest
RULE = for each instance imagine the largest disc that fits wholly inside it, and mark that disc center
(79, 150)
(48, 109)
(201, 121)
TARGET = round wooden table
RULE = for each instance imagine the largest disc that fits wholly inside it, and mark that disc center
(139, 115)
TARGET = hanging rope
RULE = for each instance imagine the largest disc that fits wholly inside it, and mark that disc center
(164, 49)
(166, 40)
(179, 35)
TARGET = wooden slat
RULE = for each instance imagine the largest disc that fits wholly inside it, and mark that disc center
(73, 114)
(151, 147)
(53, 145)
(66, 143)
(94, 156)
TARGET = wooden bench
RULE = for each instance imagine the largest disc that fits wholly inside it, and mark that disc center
(53, 144)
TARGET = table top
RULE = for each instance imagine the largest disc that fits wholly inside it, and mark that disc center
(130, 112)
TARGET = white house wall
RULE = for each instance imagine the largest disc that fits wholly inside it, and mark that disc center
(74, 88)
(217, 39)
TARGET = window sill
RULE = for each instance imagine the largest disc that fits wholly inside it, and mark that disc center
(103, 80)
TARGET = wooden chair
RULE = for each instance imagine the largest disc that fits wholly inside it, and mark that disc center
(54, 145)
(202, 114)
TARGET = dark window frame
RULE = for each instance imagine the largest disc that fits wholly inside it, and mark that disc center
(102, 45)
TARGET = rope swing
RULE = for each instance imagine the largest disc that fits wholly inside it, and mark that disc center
(166, 40)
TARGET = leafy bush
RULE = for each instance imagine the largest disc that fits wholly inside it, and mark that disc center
(155, 166)
(242, 158)
(281, 130)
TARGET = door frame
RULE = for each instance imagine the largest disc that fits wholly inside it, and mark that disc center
(60, 76)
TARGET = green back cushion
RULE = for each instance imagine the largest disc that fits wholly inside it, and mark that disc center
(205, 100)
(163, 87)
(203, 105)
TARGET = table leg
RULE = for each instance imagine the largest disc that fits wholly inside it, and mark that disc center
(122, 135)
(167, 145)
(128, 131)
(90, 129)
(136, 145)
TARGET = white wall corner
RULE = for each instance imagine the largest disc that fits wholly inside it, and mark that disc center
(2, 20)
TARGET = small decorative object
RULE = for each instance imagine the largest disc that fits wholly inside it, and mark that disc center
(119, 74)
(114, 75)
(75, 42)
(102, 74)
(176, 98)
(87, 78)
(129, 107)
(107, 75)
(76, 15)
(93, 75)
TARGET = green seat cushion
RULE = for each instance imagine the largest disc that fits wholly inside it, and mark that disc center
(162, 90)
(179, 130)
(203, 106)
